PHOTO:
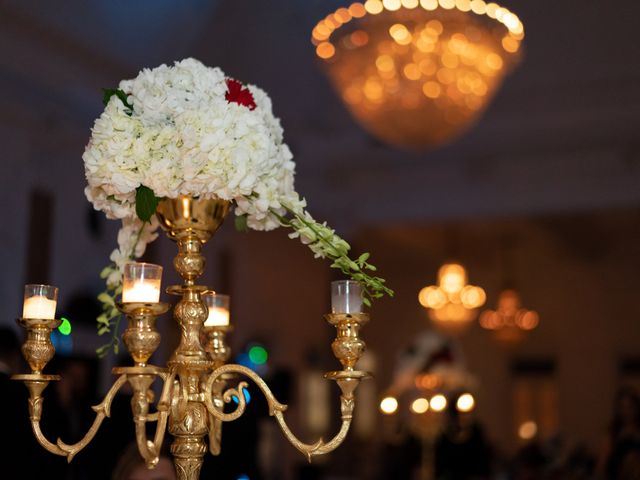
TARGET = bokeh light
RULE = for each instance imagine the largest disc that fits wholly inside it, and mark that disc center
(527, 430)
(258, 355)
(438, 403)
(389, 405)
(465, 403)
(420, 405)
(65, 326)
(452, 304)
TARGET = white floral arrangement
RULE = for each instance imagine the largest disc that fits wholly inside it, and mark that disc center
(187, 129)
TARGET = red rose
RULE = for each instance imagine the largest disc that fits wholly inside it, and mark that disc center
(239, 94)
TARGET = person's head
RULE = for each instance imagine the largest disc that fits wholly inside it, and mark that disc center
(131, 466)
(626, 410)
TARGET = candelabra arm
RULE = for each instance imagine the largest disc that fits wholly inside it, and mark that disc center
(103, 410)
(215, 424)
(346, 380)
(150, 451)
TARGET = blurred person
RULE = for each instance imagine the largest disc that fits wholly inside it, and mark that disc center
(529, 463)
(131, 466)
(580, 464)
(620, 457)
(461, 450)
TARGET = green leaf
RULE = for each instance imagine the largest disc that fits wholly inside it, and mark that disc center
(107, 93)
(241, 223)
(106, 271)
(146, 203)
(364, 257)
(103, 350)
(366, 301)
(105, 298)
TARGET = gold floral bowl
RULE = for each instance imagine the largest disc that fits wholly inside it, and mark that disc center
(186, 216)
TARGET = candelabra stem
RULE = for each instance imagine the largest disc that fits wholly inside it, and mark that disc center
(190, 223)
(188, 425)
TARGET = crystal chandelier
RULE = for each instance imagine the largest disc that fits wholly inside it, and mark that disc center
(195, 382)
(509, 321)
(416, 73)
(452, 304)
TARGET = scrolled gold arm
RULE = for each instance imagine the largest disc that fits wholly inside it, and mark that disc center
(150, 451)
(36, 384)
(346, 380)
(140, 379)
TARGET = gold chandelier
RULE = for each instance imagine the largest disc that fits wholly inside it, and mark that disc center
(416, 73)
(452, 304)
(509, 321)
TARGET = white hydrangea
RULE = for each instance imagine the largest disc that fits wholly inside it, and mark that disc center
(178, 134)
(183, 137)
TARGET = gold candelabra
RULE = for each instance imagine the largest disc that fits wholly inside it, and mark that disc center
(195, 388)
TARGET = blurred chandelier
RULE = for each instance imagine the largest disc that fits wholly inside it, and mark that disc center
(416, 73)
(452, 304)
(509, 321)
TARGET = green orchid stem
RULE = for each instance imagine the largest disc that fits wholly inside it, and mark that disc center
(372, 287)
(114, 342)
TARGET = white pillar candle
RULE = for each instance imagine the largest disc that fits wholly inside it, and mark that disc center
(346, 297)
(141, 283)
(218, 306)
(39, 306)
(146, 291)
(218, 317)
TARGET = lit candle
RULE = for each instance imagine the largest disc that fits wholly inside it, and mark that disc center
(39, 306)
(142, 292)
(141, 283)
(218, 306)
(40, 301)
(346, 297)
(218, 317)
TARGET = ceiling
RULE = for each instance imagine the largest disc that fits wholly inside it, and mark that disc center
(560, 136)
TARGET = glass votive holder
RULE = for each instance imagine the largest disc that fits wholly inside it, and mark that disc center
(40, 301)
(218, 306)
(346, 297)
(141, 283)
